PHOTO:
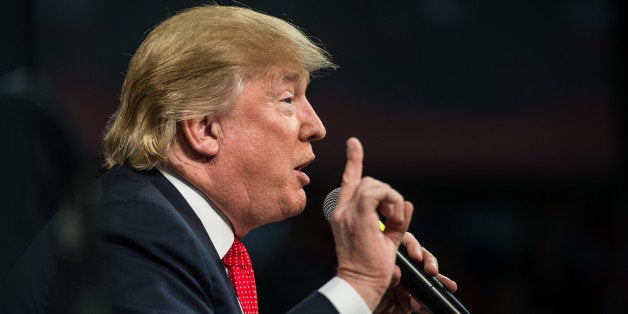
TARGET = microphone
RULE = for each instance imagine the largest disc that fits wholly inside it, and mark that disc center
(428, 290)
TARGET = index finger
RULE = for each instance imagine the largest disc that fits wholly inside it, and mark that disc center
(353, 169)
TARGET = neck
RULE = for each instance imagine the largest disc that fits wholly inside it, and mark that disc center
(201, 173)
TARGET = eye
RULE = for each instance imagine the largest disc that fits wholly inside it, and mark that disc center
(287, 100)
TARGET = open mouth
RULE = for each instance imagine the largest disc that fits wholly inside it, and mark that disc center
(303, 177)
(300, 167)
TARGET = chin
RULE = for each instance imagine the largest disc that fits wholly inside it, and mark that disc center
(295, 207)
(295, 211)
(281, 206)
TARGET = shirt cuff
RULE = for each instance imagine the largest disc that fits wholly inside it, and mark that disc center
(344, 298)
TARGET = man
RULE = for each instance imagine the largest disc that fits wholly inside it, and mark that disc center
(210, 141)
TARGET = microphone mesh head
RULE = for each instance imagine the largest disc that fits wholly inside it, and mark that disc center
(330, 203)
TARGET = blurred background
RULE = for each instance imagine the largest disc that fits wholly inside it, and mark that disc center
(502, 121)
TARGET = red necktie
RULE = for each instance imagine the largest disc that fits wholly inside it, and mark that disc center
(240, 272)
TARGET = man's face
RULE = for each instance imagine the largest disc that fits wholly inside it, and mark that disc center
(265, 145)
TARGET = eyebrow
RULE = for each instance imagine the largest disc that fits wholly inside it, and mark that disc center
(290, 77)
(295, 77)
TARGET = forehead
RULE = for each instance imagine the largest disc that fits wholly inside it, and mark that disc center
(278, 77)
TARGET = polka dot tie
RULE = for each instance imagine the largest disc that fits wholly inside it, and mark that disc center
(240, 272)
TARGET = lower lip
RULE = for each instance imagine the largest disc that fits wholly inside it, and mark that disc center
(303, 177)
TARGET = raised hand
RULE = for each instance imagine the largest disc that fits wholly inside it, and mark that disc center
(366, 256)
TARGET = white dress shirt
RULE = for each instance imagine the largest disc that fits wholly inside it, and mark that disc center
(339, 292)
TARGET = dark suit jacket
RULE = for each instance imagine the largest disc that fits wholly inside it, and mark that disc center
(155, 257)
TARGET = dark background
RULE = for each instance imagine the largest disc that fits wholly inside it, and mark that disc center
(502, 121)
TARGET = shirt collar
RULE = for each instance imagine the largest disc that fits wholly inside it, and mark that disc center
(215, 223)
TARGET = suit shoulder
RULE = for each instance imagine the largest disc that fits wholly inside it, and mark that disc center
(127, 197)
(122, 182)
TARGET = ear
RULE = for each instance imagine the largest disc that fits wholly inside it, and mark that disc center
(202, 135)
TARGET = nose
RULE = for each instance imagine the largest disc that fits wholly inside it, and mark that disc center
(312, 128)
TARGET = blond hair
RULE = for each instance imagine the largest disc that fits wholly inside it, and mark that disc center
(192, 65)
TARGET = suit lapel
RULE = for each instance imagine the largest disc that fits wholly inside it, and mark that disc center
(181, 205)
(185, 210)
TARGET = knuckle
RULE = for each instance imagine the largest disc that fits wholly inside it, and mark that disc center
(335, 220)
(368, 180)
(410, 236)
(346, 177)
(410, 205)
(369, 193)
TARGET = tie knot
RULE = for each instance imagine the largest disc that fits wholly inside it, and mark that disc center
(237, 256)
